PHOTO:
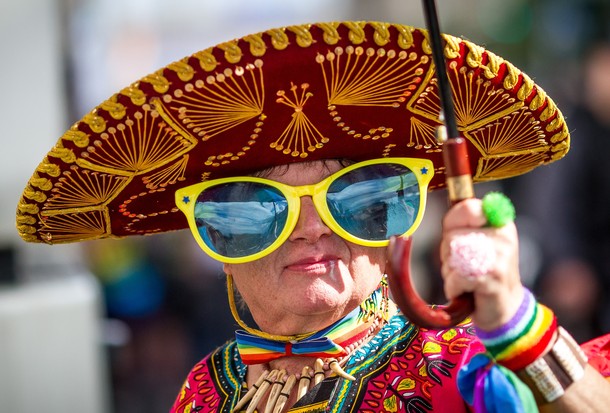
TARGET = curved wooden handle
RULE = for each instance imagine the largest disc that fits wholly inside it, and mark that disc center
(409, 301)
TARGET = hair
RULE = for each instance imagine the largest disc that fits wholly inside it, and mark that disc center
(283, 169)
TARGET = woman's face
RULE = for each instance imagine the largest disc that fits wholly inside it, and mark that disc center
(316, 276)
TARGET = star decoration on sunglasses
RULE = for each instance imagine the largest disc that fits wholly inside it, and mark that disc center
(186, 199)
(424, 171)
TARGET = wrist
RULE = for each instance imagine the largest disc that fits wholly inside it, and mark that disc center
(550, 375)
(500, 309)
(524, 338)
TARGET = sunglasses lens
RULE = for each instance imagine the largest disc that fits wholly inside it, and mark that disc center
(240, 218)
(376, 201)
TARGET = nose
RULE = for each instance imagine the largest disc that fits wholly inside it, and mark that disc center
(310, 226)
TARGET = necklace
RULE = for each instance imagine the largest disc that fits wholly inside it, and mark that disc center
(279, 387)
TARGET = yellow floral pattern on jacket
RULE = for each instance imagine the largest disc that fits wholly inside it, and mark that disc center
(402, 369)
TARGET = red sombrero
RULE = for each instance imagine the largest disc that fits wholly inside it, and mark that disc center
(356, 90)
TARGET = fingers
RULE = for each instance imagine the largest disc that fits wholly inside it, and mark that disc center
(493, 256)
(480, 259)
(467, 213)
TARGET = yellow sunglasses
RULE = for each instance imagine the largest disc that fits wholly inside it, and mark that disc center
(242, 219)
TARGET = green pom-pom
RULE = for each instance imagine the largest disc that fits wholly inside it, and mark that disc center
(498, 209)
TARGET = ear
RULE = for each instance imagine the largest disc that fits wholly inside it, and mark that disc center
(226, 268)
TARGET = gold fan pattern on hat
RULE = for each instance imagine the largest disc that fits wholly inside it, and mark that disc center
(356, 90)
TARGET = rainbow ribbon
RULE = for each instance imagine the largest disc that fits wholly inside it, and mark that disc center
(327, 343)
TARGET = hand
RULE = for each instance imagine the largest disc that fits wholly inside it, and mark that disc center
(499, 292)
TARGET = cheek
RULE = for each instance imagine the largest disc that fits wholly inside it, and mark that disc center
(371, 261)
(249, 278)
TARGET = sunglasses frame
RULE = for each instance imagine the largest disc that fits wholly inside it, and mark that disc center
(186, 198)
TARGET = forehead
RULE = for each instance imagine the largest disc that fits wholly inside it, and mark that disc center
(309, 168)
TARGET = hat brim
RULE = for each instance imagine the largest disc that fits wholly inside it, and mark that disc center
(355, 90)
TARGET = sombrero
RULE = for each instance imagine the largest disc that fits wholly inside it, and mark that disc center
(357, 90)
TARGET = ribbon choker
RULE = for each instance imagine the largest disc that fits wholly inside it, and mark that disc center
(256, 346)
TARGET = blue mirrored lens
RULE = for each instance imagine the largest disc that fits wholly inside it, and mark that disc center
(376, 201)
(240, 218)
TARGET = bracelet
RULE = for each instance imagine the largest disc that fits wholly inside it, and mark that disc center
(524, 338)
(549, 376)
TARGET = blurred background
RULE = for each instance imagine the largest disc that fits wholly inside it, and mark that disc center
(114, 326)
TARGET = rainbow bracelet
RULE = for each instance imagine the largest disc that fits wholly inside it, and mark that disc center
(524, 338)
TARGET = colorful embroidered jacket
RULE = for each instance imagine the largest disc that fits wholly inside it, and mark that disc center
(402, 369)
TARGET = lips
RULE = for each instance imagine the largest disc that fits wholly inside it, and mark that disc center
(314, 264)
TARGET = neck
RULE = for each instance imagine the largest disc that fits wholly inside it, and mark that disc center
(305, 372)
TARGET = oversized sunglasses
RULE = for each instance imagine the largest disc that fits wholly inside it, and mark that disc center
(241, 219)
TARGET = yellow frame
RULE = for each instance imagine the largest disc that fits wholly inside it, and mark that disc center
(423, 169)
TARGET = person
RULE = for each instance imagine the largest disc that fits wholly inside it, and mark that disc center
(296, 156)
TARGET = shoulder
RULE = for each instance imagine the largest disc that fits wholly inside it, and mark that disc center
(409, 366)
(212, 382)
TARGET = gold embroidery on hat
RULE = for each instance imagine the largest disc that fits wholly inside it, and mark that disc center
(476, 102)
(331, 35)
(356, 32)
(257, 44)
(422, 136)
(26, 219)
(357, 79)
(48, 168)
(474, 57)
(25, 208)
(40, 183)
(508, 165)
(221, 103)
(303, 35)
(170, 175)
(526, 88)
(66, 155)
(184, 71)
(207, 61)
(135, 94)
(114, 109)
(158, 81)
(72, 227)
(425, 44)
(301, 135)
(80, 139)
(81, 188)
(539, 100)
(382, 33)
(555, 123)
(33, 194)
(512, 77)
(138, 144)
(492, 68)
(94, 121)
(367, 78)
(405, 36)
(452, 49)
(510, 135)
(561, 136)
(279, 39)
(232, 52)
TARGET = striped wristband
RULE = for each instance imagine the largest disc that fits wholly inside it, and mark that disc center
(524, 338)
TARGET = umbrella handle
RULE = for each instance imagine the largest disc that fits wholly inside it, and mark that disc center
(459, 186)
(408, 300)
